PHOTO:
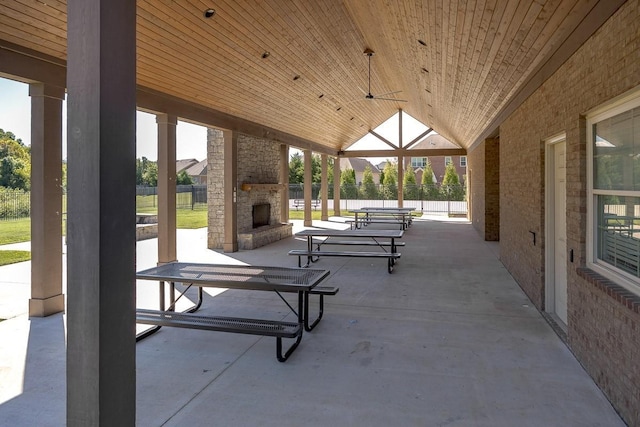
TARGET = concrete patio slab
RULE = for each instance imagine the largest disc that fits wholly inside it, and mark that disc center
(447, 339)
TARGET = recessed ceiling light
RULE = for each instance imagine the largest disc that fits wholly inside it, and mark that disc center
(422, 42)
(208, 13)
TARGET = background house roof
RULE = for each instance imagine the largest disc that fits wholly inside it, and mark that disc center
(199, 168)
(185, 164)
(357, 164)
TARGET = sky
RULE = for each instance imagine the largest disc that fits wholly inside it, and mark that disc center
(191, 140)
(15, 117)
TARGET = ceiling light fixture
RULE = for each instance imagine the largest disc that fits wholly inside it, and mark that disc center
(208, 13)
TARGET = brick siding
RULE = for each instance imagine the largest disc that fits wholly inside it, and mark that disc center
(603, 330)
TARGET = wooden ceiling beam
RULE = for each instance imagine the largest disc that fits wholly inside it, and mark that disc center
(156, 102)
(403, 152)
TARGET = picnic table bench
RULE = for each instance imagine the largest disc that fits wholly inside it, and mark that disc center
(304, 282)
(299, 203)
(366, 216)
(383, 239)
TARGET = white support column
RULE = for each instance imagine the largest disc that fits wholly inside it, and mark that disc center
(284, 181)
(336, 186)
(46, 200)
(400, 181)
(324, 189)
(101, 108)
(400, 163)
(307, 188)
(166, 188)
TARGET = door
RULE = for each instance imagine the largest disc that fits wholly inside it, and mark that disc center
(556, 252)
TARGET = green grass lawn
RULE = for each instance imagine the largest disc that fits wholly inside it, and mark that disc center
(11, 257)
(15, 231)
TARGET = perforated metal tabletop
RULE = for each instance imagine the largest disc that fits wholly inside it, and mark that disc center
(236, 276)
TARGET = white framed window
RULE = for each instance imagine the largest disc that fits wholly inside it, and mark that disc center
(447, 160)
(418, 162)
(613, 180)
(463, 161)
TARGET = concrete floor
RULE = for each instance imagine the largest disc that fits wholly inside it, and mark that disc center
(447, 339)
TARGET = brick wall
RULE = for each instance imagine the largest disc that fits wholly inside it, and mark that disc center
(603, 331)
(484, 186)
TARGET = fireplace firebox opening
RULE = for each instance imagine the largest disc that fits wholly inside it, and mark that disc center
(261, 214)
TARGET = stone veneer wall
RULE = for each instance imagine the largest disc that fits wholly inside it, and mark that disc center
(603, 319)
(215, 188)
(258, 162)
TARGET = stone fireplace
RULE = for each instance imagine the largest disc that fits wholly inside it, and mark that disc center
(258, 170)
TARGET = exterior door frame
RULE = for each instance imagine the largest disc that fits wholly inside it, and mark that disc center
(550, 285)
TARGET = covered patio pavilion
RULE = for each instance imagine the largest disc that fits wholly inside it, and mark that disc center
(520, 87)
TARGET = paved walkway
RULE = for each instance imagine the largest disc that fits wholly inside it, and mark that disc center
(447, 339)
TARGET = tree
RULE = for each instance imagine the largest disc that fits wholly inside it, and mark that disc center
(410, 188)
(429, 187)
(369, 189)
(451, 187)
(389, 185)
(15, 163)
(150, 175)
(348, 189)
(296, 169)
(183, 178)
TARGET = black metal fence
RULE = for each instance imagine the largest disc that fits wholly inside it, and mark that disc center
(426, 198)
(16, 204)
(187, 197)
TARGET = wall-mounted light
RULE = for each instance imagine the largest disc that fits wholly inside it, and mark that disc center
(208, 13)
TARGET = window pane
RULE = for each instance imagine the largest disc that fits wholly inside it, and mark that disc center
(619, 232)
(616, 154)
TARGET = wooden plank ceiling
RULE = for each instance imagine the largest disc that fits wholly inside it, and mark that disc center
(298, 65)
